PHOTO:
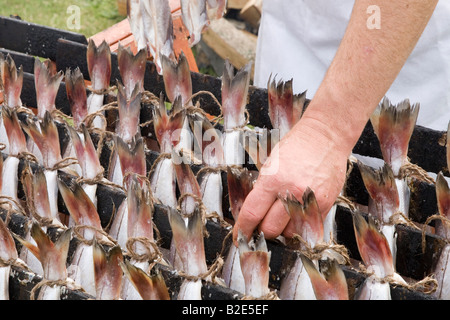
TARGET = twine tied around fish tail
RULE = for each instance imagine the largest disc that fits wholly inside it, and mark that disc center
(153, 253)
(82, 239)
(27, 156)
(2, 146)
(24, 109)
(99, 179)
(18, 263)
(317, 252)
(149, 98)
(345, 202)
(412, 170)
(399, 217)
(89, 119)
(104, 91)
(63, 163)
(427, 285)
(242, 127)
(13, 206)
(200, 110)
(272, 295)
(201, 207)
(161, 157)
(210, 275)
(440, 217)
(53, 283)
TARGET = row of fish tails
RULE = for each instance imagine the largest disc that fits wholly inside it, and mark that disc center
(124, 270)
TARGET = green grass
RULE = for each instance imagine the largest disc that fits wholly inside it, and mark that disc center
(95, 15)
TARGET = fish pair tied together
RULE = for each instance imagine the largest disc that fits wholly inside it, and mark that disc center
(118, 261)
(152, 26)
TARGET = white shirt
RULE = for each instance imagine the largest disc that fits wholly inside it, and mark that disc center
(298, 40)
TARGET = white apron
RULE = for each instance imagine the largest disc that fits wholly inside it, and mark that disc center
(298, 40)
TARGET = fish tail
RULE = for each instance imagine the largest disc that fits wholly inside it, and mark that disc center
(77, 96)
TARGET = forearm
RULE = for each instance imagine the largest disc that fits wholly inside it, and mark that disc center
(364, 67)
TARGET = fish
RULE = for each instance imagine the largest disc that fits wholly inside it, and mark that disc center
(11, 81)
(190, 193)
(8, 254)
(76, 95)
(38, 205)
(308, 223)
(216, 9)
(210, 178)
(329, 283)
(127, 128)
(135, 19)
(189, 243)
(99, 67)
(87, 158)
(195, 19)
(45, 136)
(53, 256)
(18, 146)
(285, 107)
(107, 272)
(240, 183)
(177, 79)
(47, 84)
(255, 259)
(150, 287)
(158, 29)
(235, 89)
(393, 126)
(84, 214)
(384, 202)
(377, 257)
(167, 131)
(132, 69)
(138, 225)
(443, 230)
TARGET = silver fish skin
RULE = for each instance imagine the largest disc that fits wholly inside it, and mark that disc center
(216, 9)
(297, 284)
(158, 29)
(195, 19)
(134, 15)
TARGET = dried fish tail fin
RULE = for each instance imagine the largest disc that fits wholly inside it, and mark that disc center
(177, 78)
(132, 69)
(255, 259)
(150, 287)
(129, 113)
(77, 96)
(329, 283)
(394, 125)
(307, 219)
(108, 272)
(11, 81)
(47, 86)
(285, 108)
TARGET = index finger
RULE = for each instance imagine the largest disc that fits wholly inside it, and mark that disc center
(254, 209)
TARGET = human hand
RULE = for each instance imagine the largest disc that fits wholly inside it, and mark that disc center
(308, 156)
